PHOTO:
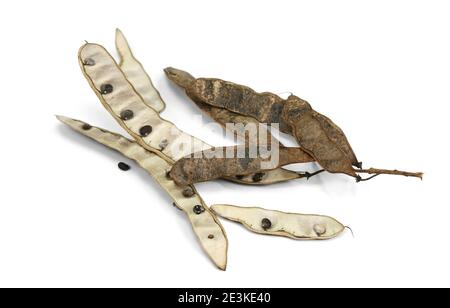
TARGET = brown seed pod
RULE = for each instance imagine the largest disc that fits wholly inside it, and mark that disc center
(266, 107)
(314, 139)
(316, 134)
(231, 161)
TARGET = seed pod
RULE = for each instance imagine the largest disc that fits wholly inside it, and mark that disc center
(203, 225)
(165, 135)
(200, 166)
(124, 98)
(136, 74)
(264, 107)
(296, 118)
(292, 225)
(314, 139)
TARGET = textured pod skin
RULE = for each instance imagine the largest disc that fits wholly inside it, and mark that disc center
(291, 225)
(203, 167)
(314, 139)
(204, 224)
(294, 115)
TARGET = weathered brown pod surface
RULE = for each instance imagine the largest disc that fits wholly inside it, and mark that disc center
(232, 161)
(264, 107)
(204, 223)
(291, 225)
(314, 139)
(291, 114)
(224, 117)
(136, 74)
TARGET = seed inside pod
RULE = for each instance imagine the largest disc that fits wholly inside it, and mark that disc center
(188, 192)
(145, 130)
(168, 174)
(126, 114)
(239, 176)
(257, 177)
(106, 88)
(163, 144)
(198, 209)
(86, 126)
(89, 62)
(266, 223)
(211, 236)
(122, 166)
(319, 229)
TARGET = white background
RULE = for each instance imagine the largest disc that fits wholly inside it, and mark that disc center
(379, 69)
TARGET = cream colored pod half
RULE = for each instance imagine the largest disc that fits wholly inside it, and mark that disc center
(208, 229)
(136, 74)
(271, 222)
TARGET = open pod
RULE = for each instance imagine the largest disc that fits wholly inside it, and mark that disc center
(208, 229)
(291, 225)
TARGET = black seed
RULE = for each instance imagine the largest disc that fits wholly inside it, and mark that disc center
(188, 192)
(106, 88)
(211, 236)
(163, 144)
(89, 62)
(126, 114)
(145, 130)
(86, 126)
(198, 209)
(123, 166)
(239, 176)
(266, 223)
(257, 177)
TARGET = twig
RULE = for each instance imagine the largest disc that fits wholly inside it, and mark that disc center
(386, 171)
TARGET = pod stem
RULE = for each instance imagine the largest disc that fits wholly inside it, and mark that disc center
(386, 171)
(308, 175)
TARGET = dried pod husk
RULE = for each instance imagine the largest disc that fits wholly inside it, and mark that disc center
(204, 223)
(292, 225)
(264, 107)
(130, 110)
(269, 108)
(136, 74)
(314, 139)
(233, 161)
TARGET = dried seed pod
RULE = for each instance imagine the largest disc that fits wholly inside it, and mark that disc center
(292, 225)
(200, 166)
(125, 98)
(313, 138)
(136, 74)
(264, 107)
(270, 108)
(203, 225)
(165, 133)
